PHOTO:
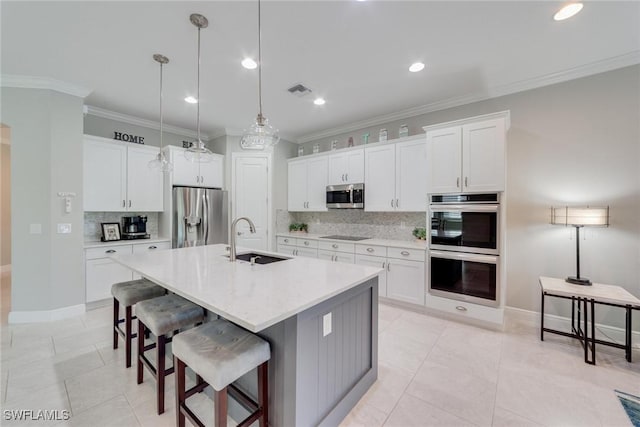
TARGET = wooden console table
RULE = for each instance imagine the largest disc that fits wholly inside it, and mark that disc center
(585, 299)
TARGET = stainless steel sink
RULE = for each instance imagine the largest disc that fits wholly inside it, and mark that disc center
(259, 258)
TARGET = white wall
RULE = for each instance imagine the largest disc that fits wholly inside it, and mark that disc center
(576, 142)
(46, 157)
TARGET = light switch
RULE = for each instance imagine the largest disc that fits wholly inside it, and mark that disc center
(326, 324)
(64, 228)
(35, 228)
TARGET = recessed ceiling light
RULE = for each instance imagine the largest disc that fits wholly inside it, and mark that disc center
(249, 64)
(191, 100)
(416, 66)
(568, 11)
(319, 101)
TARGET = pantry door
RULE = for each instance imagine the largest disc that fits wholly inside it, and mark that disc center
(251, 197)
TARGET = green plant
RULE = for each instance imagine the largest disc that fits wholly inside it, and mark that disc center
(295, 226)
(420, 233)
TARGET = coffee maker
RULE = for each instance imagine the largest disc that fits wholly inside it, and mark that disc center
(134, 227)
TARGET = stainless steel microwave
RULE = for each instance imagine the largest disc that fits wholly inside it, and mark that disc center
(345, 196)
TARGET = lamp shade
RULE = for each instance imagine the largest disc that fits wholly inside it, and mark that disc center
(580, 216)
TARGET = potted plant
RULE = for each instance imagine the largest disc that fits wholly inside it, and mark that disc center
(298, 227)
(420, 233)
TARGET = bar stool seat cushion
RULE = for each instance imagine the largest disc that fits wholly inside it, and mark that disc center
(134, 291)
(168, 313)
(220, 352)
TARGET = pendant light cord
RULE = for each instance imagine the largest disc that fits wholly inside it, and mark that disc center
(198, 89)
(259, 65)
(161, 116)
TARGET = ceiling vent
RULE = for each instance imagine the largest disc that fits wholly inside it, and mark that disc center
(299, 90)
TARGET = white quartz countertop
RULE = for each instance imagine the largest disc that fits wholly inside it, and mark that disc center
(98, 244)
(252, 296)
(422, 245)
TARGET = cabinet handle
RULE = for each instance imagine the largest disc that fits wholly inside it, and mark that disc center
(383, 265)
(370, 249)
(129, 203)
(306, 243)
(153, 247)
(201, 179)
(342, 179)
(397, 203)
(240, 233)
(110, 251)
(333, 258)
(405, 253)
(466, 183)
(124, 203)
(286, 240)
(458, 182)
(334, 246)
(461, 308)
(388, 266)
(391, 202)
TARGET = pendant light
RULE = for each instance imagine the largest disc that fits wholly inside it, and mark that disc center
(260, 134)
(198, 152)
(161, 162)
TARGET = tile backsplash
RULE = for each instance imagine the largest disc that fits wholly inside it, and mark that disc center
(354, 222)
(92, 220)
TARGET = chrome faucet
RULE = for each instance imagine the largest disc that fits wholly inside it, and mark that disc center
(232, 250)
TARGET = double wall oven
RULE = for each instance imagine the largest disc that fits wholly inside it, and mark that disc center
(464, 247)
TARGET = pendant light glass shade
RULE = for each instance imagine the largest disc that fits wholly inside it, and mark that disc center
(260, 133)
(198, 152)
(161, 162)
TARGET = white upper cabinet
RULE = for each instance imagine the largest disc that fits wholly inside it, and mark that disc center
(307, 184)
(117, 178)
(346, 167)
(468, 155)
(195, 174)
(395, 177)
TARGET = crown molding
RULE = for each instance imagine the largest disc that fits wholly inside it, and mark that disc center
(132, 120)
(37, 82)
(625, 60)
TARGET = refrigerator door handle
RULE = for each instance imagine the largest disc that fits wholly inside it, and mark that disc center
(205, 223)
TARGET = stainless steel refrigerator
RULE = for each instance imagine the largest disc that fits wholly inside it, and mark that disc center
(199, 217)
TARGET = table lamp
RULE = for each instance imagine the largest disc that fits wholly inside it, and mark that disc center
(579, 217)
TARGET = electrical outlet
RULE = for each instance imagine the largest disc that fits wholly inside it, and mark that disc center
(64, 228)
(326, 324)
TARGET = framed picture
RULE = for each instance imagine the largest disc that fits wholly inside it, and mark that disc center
(110, 231)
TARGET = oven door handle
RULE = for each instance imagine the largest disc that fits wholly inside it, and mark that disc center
(485, 259)
(464, 208)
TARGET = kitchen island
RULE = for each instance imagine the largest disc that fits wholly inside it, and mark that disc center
(320, 318)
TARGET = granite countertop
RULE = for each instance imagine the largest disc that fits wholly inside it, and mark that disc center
(98, 244)
(422, 245)
(252, 296)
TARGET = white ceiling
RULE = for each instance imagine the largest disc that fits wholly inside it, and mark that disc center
(354, 54)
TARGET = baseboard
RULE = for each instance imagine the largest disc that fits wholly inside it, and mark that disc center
(5, 269)
(532, 318)
(46, 315)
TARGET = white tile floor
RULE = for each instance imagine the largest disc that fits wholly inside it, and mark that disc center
(431, 372)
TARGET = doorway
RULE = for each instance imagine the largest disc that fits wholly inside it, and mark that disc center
(251, 182)
(5, 221)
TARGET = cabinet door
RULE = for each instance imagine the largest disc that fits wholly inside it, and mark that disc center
(297, 178)
(326, 255)
(317, 170)
(105, 176)
(483, 154)
(355, 167)
(212, 173)
(337, 169)
(411, 176)
(377, 262)
(100, 275)
(184, 173)
(444, 157)
(343, 257)
(306, 252)
(380, 178)
(406, 281)
(144, 185)
(286, 249)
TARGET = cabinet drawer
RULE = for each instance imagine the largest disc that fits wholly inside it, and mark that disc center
(95, 253)
(404, 253)
(286, 249)
(144, 247)
(371, 250)
(336, 246)
(286, 240)
(307, 243)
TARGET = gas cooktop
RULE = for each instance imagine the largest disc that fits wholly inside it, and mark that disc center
(353, 238)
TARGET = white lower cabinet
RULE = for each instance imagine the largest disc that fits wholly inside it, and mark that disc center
(406, 280)
(378, 262)
(101, 272)
(336, 256)
(298, 247)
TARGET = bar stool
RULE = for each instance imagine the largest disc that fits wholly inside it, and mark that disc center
(220, 353)
(128, 294)
(162, 315)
